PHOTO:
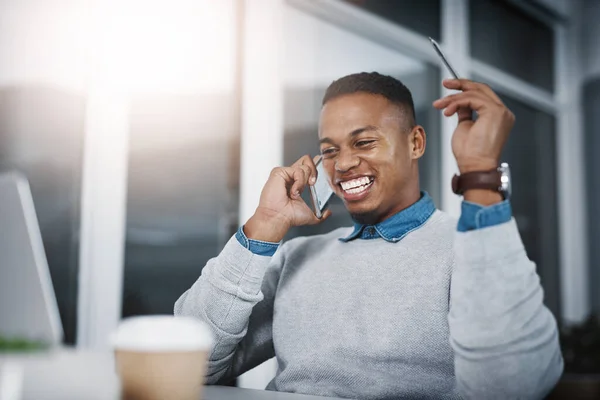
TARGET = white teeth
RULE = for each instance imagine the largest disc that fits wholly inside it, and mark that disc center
(355, 183)
(356, 190)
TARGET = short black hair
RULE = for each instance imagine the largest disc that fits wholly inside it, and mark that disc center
(374, 83)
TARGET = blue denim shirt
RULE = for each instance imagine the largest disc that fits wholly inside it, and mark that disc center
(473, 216)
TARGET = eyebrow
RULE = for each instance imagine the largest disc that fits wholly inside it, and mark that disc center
(355, 132)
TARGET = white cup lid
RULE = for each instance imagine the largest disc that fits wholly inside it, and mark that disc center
(162, 333)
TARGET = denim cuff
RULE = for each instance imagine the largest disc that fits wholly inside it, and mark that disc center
(474, 216)
(257, 247)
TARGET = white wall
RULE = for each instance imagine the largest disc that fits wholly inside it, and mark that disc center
(317, 52)
(42, 45)
(105, 51)
(262, 122)
(43, 42)
(136, 48)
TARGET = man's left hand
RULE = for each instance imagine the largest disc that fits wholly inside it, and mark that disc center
(477, 145)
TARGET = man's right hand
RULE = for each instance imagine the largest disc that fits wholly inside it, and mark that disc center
(281, 206)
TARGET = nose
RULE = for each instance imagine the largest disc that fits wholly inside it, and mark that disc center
(346, 160)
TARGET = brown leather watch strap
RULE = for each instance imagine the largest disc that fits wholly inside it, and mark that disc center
(490, 180)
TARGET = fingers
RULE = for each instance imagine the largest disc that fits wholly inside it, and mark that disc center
(300, 175)
(303, 172)
(463, 102)
(464, 114)
(468, 85)
(306, 161)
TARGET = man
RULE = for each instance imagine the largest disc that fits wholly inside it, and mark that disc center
(408, 303)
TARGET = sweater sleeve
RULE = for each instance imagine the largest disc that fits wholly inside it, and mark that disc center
(505, 340)
(234, 295)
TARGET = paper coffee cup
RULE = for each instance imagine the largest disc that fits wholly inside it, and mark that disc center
(161, 357)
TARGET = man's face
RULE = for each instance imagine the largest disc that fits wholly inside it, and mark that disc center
(368, 148)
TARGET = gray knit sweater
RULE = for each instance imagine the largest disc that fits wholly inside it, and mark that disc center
(440, 314)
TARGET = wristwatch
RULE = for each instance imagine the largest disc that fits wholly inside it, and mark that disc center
(496, 179)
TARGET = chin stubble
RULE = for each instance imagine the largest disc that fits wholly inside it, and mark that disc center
(366, 218)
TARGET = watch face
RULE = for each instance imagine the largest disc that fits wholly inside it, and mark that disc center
(505, 180)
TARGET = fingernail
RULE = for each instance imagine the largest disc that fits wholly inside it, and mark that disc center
(296, 194)
(313, 180)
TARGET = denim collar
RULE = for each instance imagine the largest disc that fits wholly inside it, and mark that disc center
(398, 225)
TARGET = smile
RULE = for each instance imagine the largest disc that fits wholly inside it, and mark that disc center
(357, 186)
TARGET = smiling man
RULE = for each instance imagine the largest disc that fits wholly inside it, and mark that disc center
(370, 150)
(408, 303)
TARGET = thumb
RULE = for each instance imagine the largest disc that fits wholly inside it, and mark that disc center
(316, 221)
(326, 215)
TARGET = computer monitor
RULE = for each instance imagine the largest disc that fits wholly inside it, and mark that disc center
(28, 308)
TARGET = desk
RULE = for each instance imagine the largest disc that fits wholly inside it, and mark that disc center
(68, 374)
(231, 393)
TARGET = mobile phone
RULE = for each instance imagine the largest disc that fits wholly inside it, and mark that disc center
(320, 192)
(438, 50)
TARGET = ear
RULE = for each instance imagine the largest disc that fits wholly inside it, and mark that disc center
(417, 143)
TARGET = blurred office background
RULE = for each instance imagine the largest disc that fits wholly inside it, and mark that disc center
(147, 128)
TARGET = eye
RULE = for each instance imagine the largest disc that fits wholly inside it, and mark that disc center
(328, 151)
(364, 143)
